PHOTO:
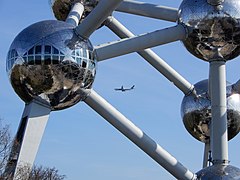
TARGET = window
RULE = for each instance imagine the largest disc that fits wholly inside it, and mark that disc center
(47, 50)
(12, 53)
(90, 55)
(38, 60)
(25, 58)
(78, 52)
(38, 49)
(85, 53)
(84, 64)
(55, 57)
(30, 51)
(31, 60)
(11, 58)
(55, 51)
(40, 54)
(15, 54)
(78, 59)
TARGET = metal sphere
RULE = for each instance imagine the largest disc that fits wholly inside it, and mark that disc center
(48, 63)
(61, 8)
(196, 112)
(213, 31)
(219, 172)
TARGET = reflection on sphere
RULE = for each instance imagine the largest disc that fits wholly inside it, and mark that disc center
(196, 112)
(48, 63)
(213, 31)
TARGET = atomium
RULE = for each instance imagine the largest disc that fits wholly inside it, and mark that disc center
(48, 63)
(196, 112)
(213, 31)
(51, 63)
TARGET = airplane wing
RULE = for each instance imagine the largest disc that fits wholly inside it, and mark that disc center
(131, 88)
(119, 89)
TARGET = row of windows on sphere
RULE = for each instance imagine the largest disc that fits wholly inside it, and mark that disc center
(46, 55)
(48, 50)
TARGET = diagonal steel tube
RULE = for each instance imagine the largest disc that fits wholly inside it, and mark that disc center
(140, 42)
(148, 10)
(152, 58)
(96, 17)
(137, 136)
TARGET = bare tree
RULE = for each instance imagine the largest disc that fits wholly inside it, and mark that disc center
(38, 173)
(24, 172)
(5, 145)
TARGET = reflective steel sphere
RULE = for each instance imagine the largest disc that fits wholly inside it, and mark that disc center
(213, 31)
(219, 172)
(48, 63)
(196, 112)
(61, 8)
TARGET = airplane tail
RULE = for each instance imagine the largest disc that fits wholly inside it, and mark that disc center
(133, 87)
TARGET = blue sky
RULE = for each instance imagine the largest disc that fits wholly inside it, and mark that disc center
(80, 143)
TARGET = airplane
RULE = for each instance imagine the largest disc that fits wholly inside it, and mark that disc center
(124, 89)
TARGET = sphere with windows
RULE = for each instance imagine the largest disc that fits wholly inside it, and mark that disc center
(49, 63)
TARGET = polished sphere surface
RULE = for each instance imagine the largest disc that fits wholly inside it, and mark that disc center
(213, 31)
(219, 172)
(48, 63)
(196, 112)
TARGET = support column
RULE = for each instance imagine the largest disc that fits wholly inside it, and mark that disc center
(219, 136)
(137, 136)
(28, 137)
